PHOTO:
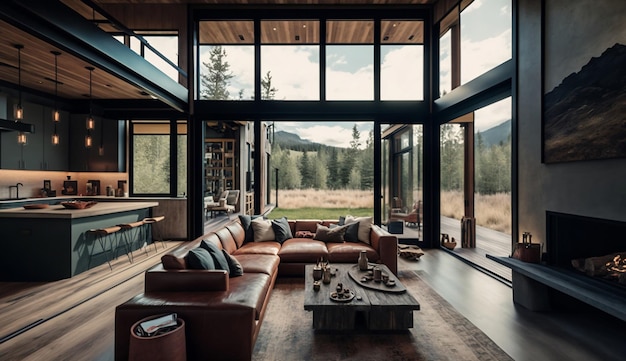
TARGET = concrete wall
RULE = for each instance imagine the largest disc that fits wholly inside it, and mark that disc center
(595, 188)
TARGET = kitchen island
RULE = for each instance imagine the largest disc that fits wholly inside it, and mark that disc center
(52, 243)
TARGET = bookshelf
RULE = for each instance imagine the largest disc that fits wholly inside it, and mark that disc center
(219, 165)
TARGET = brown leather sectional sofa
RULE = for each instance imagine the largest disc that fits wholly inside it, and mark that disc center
(223, 314)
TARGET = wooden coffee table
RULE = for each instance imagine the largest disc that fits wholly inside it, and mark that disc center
(382, 309)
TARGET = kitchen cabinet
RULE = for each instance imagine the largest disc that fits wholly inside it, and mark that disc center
(38, 153)
(110, 133)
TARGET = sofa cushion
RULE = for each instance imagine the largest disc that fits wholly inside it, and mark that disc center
(234, 266)
(302, 250)
(226, 238)
(263, 230)
(326, 234)
(171, 261)
(306, 225)
(348, 252)
(258, 263)
(199, 258)
(365, 224)
(219, 260)
(267, 247)
(250, 289)
(238, 233)
(281, 229)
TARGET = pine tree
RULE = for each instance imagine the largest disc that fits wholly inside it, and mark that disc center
(268, 92)
(367, 163)
(217, 77)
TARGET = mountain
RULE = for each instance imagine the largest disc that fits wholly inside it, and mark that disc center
(584, 115)
(497, 134)
(288, 140)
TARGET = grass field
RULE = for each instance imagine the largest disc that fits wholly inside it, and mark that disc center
(492, 211)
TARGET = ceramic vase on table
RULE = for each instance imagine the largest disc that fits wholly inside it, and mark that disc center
(363, 261)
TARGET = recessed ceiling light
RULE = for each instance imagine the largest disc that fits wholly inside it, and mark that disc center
(274, 29)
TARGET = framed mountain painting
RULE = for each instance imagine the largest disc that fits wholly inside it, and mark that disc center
(584, 82)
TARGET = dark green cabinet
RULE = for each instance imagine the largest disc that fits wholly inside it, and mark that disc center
(38, 153)
(108, 133)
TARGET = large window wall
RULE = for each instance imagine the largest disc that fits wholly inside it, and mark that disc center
(298, 63)
(158, 164)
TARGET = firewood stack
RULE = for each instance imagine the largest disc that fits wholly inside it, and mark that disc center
(612, 266)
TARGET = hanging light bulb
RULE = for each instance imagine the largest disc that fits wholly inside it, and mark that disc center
(19, 111)
(91, 123)
(56, 117)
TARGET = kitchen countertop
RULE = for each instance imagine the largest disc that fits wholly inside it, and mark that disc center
(58, 211)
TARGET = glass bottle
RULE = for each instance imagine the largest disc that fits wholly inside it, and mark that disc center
(363, 261)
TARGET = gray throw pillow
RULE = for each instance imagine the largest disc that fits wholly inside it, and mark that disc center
(326, 234)
(236, 269)
(281, 228)
(199, 258)
(218, 257)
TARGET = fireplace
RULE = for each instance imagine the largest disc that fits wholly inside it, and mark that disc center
(571, 237)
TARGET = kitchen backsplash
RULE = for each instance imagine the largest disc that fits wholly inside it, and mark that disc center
(33, 181)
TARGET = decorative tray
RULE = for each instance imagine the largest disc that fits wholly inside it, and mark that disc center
(365, 279)
(341, 296)
(78, 204)
(36, 206)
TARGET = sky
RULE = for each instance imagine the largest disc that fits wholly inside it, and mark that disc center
(295, 72)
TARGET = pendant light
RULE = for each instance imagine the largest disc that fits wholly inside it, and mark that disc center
(90, 121)
(56, 117)
(19, 111)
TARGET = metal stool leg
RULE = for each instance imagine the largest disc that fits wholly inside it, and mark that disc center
(156, 233)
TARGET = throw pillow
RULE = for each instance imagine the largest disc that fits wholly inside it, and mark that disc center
(352, 232)
(263, 230)
(304, 234)
(326, 234)
(365, 224)
(199, 258)
(245, 223)
(218, 257)
(342, 220)
(236, 269)
(281, 228)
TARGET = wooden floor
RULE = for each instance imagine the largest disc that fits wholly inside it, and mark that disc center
(488, 241)
(74, 319)
(71, 319)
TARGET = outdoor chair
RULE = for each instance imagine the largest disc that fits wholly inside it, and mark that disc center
(227, 203)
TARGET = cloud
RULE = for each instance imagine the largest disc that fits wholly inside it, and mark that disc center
(294, 69)
(337, 134)
(402, 75)
(480, 56)
(492, 115)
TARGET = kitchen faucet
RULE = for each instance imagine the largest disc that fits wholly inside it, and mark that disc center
(17, 190)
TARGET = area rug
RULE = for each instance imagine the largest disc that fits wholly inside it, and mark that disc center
(439, 332)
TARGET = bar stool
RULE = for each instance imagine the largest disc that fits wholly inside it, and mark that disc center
(101, 235)
(131, 233)
(156, 233)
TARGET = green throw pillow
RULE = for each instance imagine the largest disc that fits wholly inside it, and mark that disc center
(199, 258)
(235, 267)
(352, 232)
(246, 222)
(281, 228)
(218, 257)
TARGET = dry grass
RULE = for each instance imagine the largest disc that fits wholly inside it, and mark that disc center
(298, 198)
(492, 211)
